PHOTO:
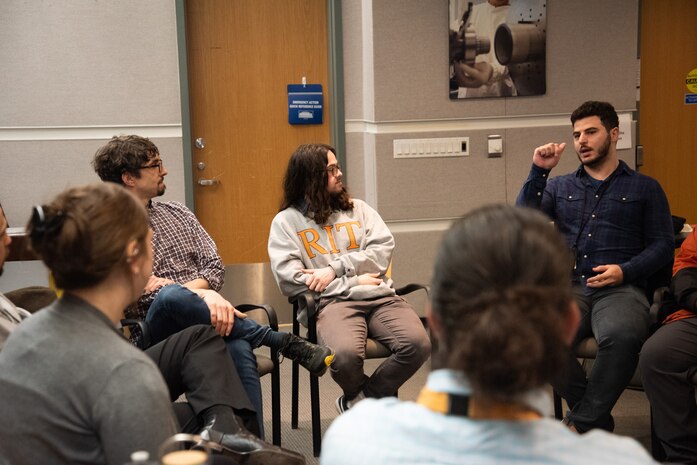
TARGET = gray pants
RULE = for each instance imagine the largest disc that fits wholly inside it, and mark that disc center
(618, 318)
(345, 325)
(668, 361)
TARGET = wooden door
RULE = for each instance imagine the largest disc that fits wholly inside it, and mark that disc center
(241, 56)
(668, 127)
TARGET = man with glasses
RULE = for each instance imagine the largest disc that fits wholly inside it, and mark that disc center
(188, 272)
(324, 241)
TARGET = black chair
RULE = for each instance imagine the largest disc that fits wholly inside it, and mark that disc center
(306, 302)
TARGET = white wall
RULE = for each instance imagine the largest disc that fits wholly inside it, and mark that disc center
(73, 75)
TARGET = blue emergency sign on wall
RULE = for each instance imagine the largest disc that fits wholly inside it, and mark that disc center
(305, 103)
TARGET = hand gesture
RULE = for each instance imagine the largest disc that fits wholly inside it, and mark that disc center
(547, 156)
(154, 283)
(608, 275)
(319, 279)
(222, 312)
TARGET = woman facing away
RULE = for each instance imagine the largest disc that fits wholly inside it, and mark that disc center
(73, 390)
(503, 314)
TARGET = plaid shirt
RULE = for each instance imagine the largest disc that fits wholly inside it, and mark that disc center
(627, 222)
(182, 249)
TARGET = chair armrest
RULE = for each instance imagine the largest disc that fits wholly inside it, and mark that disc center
(268, 309)
(304, 307)
(413, 287)
(144, 328)
(662, 299)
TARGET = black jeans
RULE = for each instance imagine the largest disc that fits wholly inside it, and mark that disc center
(618, 318)
(668, 361)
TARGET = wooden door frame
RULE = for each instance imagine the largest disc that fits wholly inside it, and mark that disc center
(336, 90)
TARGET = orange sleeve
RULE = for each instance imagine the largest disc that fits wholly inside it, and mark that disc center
(687, 255)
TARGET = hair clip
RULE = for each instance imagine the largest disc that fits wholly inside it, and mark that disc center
(38, 219)
(41, 225)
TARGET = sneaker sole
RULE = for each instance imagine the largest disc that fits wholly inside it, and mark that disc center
(339, 405)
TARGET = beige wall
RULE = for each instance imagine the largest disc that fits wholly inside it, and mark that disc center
(396, 75)
(75, 75)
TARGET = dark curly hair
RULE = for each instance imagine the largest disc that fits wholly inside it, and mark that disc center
(305, 184)
(501, 294)
(603, 110)
(123, 154)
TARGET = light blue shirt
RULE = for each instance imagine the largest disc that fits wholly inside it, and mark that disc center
(387, 431)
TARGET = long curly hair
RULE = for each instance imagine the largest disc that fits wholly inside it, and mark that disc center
(305, 184)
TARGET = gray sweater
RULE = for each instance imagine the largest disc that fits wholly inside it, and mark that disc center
(352, 243)
(74, 391)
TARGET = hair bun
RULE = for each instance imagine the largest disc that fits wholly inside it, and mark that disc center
(44, 223)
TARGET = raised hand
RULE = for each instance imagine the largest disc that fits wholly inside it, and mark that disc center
(547, 156)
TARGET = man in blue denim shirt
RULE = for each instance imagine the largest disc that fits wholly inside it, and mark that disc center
(617, 224)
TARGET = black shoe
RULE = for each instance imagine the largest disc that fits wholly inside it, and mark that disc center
(314, 358)
(248, 449)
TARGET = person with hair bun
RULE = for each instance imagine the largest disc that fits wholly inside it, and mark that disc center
(502, 328)
(73, 389)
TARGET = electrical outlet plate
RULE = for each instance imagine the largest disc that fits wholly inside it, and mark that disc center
(427, 148)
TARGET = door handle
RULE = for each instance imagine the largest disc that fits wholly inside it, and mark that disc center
(207, 182)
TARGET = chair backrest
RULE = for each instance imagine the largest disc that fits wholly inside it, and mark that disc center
(32, 298)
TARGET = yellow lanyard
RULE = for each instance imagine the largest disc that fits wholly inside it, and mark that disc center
(458, 404)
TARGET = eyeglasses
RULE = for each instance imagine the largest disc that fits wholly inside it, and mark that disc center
(157, 165)
(334, 169)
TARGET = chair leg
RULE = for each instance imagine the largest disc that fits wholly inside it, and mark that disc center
(294, 384)
(316, 419)
(276, 399)
(558, 413)
(314, 397)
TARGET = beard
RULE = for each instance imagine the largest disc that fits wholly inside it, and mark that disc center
(600, 158)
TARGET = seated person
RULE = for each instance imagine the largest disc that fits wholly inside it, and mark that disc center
(74, 391)
(502, 313)
(325, 242)
(668, 361)
(188, 272)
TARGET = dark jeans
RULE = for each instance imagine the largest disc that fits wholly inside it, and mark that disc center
(618, 318)
(668, 361)
(195, 362)
(176, 308)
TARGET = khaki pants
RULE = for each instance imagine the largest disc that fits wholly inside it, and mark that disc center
(345, 325)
